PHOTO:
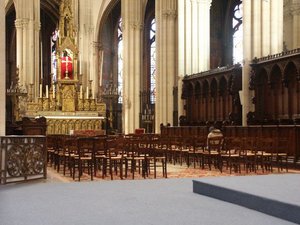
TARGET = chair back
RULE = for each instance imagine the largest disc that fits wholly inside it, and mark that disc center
(85, 146)
(215, 144)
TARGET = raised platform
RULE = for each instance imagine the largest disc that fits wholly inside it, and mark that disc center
(275, 195)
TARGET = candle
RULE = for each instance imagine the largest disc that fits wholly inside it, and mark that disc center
(80, 63)
(93, 92)
(41, 60)
(47, 92)
(53, 91)
(87, 93)
(80, 94)
(41, 90)
(101, 66)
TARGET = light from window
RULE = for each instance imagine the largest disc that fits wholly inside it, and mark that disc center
(237, 34)
(54, 38)
(120, 62)
(152, 62)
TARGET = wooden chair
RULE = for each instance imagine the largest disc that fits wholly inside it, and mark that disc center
(52, 145)
(230, 154)
(155, 155)
(247, 154)
(100, 154)
(84, 157)
(134, 158)
(264, 153)
(281, 155)
(212, 155)
(114, 159)
(69, 154)
(59, 151)
(196, 150)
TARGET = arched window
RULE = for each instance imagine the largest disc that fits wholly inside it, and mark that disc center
(120, 62)
(152, 62)
(237, 33)
(54, 38)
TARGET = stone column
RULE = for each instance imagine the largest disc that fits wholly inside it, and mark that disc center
(257, 25)
(247, 49)
(295, 11)
(193, 40)
(277, 26)
(19, 49)
(133, 16)
(266, 27)
(28, 26)
(291, 24)
(2, 70)
(95, 76)
(203, 34)
(166, 60)
(86, 39)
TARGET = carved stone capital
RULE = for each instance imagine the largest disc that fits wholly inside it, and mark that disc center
(37, 26)
(25, 22)
(169, 13)
(19, 23)
(204, 2)
(294, 9)
(96, 45)
(136, 25)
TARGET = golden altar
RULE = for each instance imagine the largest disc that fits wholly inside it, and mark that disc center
(67, 102)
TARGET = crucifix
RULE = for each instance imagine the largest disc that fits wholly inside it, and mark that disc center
(66, 61)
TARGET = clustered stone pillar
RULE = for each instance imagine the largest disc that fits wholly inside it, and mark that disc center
(132, 23)
(292, 24)
(258, 24)
(86, 43)
(193, 40)
(166, 60)
(95, 69)
(2, 70)
(28, 27)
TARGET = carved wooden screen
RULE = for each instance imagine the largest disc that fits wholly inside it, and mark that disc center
(212, 97)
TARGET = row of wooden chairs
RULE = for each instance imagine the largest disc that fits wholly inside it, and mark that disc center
(109, 154)
(233, 152)
(124, 154)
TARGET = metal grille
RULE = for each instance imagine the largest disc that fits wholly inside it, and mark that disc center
(22, 158)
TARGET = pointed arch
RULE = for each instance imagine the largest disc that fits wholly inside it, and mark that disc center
(205, 93)
(190, 101)
(223, 91)
(105, 9)
(262, 93)
(276, 98)
(290, 91)
(198, 100)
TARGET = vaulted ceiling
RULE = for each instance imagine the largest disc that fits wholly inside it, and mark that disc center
(51, 8)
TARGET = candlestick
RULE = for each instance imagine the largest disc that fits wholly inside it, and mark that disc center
(93, 92)
(41, 60)
(81, 94)
(41, 90)
(47, 91)
(53, 91)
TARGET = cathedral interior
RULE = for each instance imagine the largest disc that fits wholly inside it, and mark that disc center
(121, 65)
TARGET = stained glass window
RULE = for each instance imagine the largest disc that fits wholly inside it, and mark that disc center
(120, 61)
(152, 62)
(54, 38)
(237, 34)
